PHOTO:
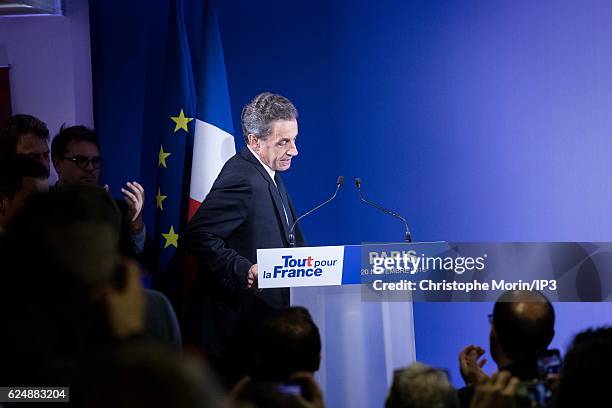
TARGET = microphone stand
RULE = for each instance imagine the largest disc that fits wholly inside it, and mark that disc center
(339, 183)
(407, 235)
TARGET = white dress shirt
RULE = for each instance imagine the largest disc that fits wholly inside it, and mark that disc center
(272, 173)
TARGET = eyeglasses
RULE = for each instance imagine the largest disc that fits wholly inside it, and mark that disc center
(82, 162)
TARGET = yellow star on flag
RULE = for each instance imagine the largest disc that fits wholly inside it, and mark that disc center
(181, 122)
(160, 199)
(161, 160)
(171, 238)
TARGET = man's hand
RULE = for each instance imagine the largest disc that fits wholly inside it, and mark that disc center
(134, 197)
(496, 392)
(470, 366)
(252, 276)
(312, 396)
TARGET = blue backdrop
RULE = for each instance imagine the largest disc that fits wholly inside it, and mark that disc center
(477, 120)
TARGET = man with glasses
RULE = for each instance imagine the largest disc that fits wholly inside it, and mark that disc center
(522, 325)
(25, 135)
(75, 152)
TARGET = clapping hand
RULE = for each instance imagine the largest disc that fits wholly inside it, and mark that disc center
(312, 396)
(471, 366)
(134, 197)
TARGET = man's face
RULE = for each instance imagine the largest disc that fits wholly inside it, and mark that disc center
(34, 147)
(79, 164)
(10, 206)
(279, 148)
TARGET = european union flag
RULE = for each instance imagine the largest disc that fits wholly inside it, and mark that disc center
(175, 150)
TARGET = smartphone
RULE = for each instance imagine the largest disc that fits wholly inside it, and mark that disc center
(289, 389)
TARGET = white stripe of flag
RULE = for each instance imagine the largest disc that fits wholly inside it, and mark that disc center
(212, 147)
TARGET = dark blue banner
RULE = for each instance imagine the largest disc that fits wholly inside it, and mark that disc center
(474, 272)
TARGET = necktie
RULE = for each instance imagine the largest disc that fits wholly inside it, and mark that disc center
(284, 198)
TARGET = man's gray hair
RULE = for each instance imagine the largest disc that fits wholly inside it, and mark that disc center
(266, 108)
(421, 386)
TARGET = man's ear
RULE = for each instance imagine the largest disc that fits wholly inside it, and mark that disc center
(253, 141)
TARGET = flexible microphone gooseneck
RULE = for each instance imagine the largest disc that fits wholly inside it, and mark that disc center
(339, 183)
(407, 236)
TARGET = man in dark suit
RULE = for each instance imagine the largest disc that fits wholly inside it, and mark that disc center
(248, 208)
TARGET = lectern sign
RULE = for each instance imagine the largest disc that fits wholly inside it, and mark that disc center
(314, 266)
(447, 271)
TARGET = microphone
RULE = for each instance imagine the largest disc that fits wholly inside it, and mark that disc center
(339, 183)
(407, 236)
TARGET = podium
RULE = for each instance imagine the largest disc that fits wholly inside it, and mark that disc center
(362, 342)
(365, 337)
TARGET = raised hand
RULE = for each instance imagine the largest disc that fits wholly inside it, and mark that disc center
(471, 366)
(134, 196)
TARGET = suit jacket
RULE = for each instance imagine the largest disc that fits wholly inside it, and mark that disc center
(242, 213)
(147, 257)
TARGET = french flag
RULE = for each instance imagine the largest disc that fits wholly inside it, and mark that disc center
(213, 141)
